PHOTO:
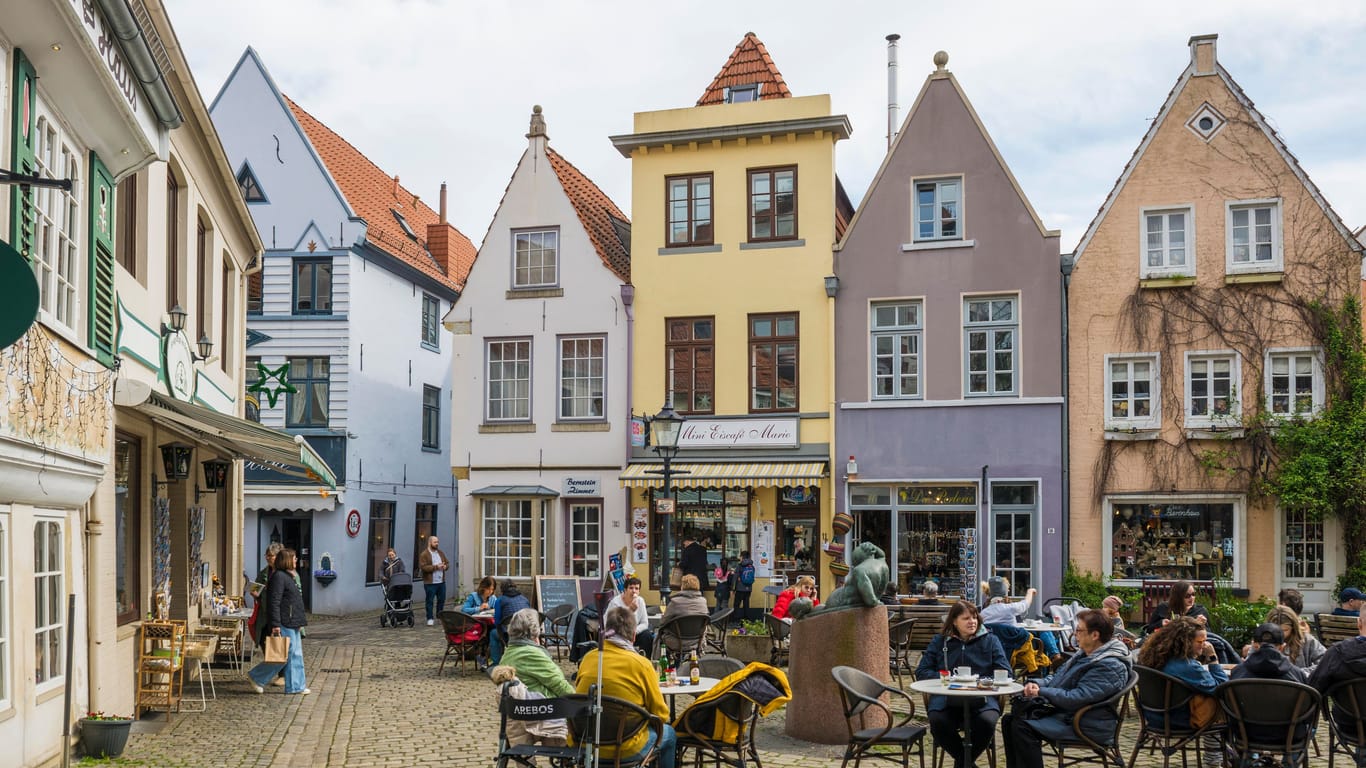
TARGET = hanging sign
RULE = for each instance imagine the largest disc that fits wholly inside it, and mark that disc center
(178, 366)
(353, 523)
(637, 433)
(20, 307)
(640, 535)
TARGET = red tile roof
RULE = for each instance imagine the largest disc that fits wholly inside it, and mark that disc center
(749, 63)
(375, 195)
(597, 212)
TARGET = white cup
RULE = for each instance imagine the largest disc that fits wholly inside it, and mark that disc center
(1000, 676)
(963, 672)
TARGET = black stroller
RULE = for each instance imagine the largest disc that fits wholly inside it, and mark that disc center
(398, 600)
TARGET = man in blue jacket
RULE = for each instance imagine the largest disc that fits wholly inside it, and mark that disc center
(1098, 671)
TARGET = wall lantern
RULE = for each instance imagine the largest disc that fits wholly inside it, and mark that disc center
(832, 285)
(175, 459)
(215, 477)
(203, 348)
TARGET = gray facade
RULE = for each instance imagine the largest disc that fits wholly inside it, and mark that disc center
(949, 360)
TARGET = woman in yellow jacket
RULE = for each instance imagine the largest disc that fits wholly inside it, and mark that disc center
(628, 676)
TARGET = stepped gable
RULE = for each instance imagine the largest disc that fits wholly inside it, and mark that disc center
(749, 63)
(601, 218)
(374, 195)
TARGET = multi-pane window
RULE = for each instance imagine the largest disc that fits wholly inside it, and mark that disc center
(251, 375)
(172, 241)
(431, 320)
(1211, 389)
(773, 204)
(507, 538)
(431, 417)
(424, 526)
(896, 349)
(249, 186)
(509, 380)
(690, 356)
(1167, 242)
(255, 293)
(1014, 507)
(535, 258)
(203, 280)
(1294, 383)
(381, 538)
(49, 600)
(1304, 546)
(126, 229)
(689, 209)
(583, 377)
(585, 531)
(127, 526)
(57, 260)
(938, 209)
(991, 327)
(773, 363)
(311, 377)
(313, 286)
(1131, 387)
(1254, 235)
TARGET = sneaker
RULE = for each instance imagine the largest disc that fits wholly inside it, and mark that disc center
(257, 688)
(278, 681)
(305, 692)
(430, 622)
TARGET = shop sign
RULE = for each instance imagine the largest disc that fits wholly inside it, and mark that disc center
(178, 366)
(744, 433)
(104, 41)
(580, 486)
(664, 506)
(938, 495)
(637, 433)
(640, 535)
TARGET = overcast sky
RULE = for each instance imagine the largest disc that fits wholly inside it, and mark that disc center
(437, 91)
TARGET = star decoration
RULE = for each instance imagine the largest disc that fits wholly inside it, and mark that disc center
(264, 377)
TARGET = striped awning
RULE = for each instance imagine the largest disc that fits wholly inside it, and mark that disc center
(733, 475)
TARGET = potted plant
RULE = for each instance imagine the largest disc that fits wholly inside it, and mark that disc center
(325, 575)
(750, 642)
(104, 735)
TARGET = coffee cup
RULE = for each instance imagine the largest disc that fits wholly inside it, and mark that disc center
(1000, 676)
(963, 672)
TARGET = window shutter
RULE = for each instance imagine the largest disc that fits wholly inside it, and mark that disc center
(23, 156)
(101, 228)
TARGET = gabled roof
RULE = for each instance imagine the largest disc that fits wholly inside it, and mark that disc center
(376, 196)
(749, 63)
(601, 218)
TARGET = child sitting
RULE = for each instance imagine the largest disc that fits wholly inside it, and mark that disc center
(547, 733)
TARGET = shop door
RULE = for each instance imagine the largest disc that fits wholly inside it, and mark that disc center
(297, 534)
(1310, 550)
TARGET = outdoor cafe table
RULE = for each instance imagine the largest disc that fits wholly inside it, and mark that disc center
(938, 688)
(703, 685)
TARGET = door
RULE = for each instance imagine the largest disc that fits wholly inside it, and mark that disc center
(296, 534)
(1310, 549)
(585, 536)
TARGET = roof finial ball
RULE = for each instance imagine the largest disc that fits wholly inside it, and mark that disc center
(941, 60)
(537, 122)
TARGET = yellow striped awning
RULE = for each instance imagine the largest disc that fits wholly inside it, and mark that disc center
(735, 475)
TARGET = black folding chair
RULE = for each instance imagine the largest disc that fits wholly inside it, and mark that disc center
(859, 692)
(1347, 721)
(1269, 717)
(538, 710)
(1105, 750)
(1155, 697)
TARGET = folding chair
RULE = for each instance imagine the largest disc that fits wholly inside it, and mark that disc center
(1269, 717)
(537, 710)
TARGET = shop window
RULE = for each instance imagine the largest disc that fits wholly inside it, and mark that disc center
(509, 380)
(585, 535)
(991, 327)
(535, 258)
(795, 551)
(689, 349)
(313, 286)
(1173, 540)
(583, 377)
(773, 204)
(896, 349)
(919, 527)
(689, 210)
(424, 526)
(49, 602)
(127, 526)
(512, 544)
(381, 537)
(773, 361)
(717, 519)
(307, 406)
(1304, 546)
(1014, 508)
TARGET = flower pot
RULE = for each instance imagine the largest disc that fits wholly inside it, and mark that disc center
(748, 648)
(104, 738)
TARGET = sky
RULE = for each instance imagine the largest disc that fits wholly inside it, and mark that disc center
(442, 90)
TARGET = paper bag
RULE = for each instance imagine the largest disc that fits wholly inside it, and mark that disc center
(277, 649)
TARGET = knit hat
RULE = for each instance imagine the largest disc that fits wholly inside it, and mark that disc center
(998, 586)
(1268, 633)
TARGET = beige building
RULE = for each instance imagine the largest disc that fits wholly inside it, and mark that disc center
(1188, 340)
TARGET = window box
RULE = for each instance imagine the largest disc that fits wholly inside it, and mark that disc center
(1175, 281)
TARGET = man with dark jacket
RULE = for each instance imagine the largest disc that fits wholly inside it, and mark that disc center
(694, 561)
(1267, 660)
(433, 563)
(1346, 660)
(1095, 673)
(512, 601)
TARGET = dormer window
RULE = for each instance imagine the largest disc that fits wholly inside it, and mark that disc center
(402, 222)
(738, 94)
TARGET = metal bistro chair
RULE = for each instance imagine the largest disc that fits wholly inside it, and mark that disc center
(697, 730)
(719, 667)
(716, 630)
(899, 647)
(621, 720)
(779, 635)
(1107, 750)
(557, 629)
(1269, 717)
(1155, 696)
(464, 635)
(860, 691)
(537, 710)
(1347, 722)
(680, 635)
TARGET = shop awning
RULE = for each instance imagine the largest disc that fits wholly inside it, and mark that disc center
(240, 438)
(777, 473)
(514, 490)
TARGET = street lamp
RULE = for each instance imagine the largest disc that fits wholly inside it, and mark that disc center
(665, 427)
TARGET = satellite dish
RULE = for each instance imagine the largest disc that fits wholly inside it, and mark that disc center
(19, 306)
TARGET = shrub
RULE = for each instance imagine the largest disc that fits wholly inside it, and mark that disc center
(1352, 576)
(1234, 619)
(1091, 589)
(751, 627)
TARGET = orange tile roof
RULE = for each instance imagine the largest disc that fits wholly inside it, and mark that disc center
(749, 63)
(374, 195)
(596, 211)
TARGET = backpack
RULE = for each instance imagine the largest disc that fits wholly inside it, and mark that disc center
(747, 574)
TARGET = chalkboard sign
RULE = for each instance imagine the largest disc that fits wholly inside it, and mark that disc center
(558, 590)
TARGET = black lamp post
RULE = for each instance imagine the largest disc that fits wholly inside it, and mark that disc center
(665, 428)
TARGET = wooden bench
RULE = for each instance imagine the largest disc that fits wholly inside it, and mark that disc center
(1158, 591)
(1335, 628)
(929, 621)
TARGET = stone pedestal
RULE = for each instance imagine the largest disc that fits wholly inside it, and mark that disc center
(854, 637)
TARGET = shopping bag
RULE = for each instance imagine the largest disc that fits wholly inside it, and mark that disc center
(277, 649)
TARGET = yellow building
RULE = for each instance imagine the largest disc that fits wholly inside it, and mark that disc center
(736, 208)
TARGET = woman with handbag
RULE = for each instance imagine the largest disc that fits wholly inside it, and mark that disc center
(964, 642)
(278, 629)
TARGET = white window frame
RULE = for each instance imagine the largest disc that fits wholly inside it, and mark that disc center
(489, 379)
(41, 578)
(1154, 418)
(1166, 268)
(590, 547)
(59, 258)
(1234, 416)
(551, 264)
(1239, 533)
(1317, 395)
(897, 331)
(1277, 261)
(991, 328)
(495, 510)
(569, 382)
(938, 182)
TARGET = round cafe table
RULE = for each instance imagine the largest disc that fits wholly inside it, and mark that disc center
(938, 688)
(703, 685)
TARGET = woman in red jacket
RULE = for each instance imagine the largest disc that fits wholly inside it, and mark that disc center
(805, 588)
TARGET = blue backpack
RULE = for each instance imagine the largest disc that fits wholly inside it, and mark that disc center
(747, 575)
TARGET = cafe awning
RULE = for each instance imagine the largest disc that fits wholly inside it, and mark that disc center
(288, 454)
(722, 474)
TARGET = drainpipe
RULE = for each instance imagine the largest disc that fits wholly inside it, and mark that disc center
(628, 301)
(1069, 261)
(145, 68)
(891, 89)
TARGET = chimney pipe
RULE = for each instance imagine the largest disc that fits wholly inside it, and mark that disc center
(443, 202)
(891, 89)
(396, 185)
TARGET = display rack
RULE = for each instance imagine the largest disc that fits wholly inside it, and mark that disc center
(161, 664)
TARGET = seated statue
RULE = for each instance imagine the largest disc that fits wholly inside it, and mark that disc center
(867, 579)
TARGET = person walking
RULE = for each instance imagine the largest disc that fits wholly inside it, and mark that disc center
(433, 563)
(284, 616)
(744, 586)
(392, 564)
(693, 561)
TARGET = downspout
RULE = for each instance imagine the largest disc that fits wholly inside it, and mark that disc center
(1068, 262)
(145, 68)
(628, 301)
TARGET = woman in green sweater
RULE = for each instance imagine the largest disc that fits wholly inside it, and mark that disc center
(524, 653)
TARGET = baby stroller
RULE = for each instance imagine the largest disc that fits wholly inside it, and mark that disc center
(398, 601)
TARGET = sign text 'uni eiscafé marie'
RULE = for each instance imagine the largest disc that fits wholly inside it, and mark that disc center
(738, 433)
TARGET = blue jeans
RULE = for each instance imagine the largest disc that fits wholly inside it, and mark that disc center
(665, 757)
(437, 593)
(263, 673)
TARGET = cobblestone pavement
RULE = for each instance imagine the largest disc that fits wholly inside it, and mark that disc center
(377, 703)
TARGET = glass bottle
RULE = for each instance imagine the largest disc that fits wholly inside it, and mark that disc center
(694, 674)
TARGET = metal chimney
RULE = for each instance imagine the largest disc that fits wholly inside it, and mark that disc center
(891, 89)
(443, 202)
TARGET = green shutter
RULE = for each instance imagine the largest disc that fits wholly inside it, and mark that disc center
(24, 157)
(101, 229)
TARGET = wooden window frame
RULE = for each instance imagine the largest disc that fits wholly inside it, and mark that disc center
(775, 341)
(693, 345)
(303, 384)
(313, 285)
(126, 234)
(132, 531)
(172, 242)
(431, 417)
(772, 216)
(692, 220)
